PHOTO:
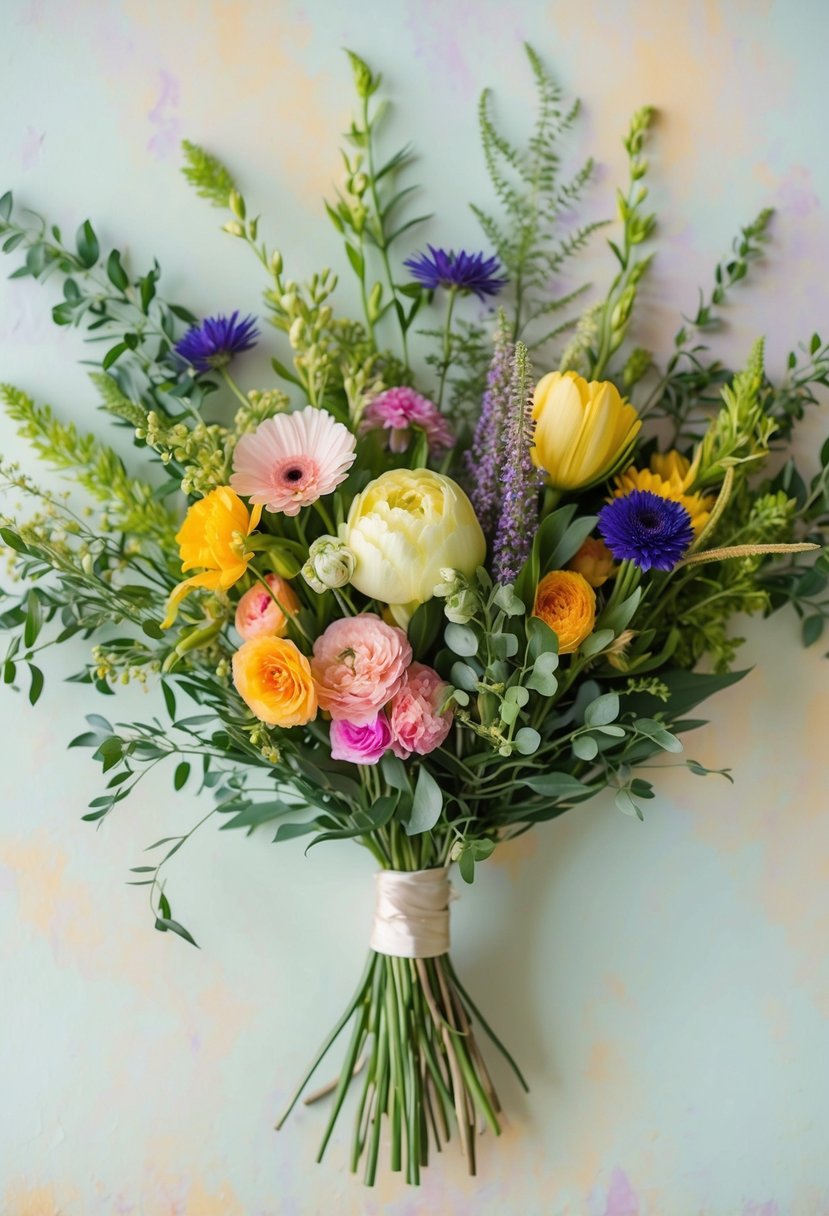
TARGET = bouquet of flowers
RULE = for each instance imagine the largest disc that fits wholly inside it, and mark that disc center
(422, 601)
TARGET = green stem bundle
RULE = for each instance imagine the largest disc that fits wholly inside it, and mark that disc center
(412, 1024)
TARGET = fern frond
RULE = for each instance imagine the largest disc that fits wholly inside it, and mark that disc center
(526, 183)
(206, 174)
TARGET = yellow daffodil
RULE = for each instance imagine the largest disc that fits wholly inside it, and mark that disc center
(213, 538)
(583, 430)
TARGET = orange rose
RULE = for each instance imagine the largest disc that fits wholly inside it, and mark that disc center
(566, 602)
(274, 680)
(594, 560)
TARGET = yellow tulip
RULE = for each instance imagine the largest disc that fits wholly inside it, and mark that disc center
(582, 430)
(405, 527)
(212, 537)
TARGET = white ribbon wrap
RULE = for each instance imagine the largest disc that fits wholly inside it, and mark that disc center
(411, 913)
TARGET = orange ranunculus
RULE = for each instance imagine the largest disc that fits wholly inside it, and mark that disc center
(212, 538)
(594, 560)
(566, 602)
(274, 680)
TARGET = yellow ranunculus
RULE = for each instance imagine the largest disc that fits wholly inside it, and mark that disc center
(670, 475)
(274, 680)
(212, 538)
(567, 603)
(405, 527)
(582, 430)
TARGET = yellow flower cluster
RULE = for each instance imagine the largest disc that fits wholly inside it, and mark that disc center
(670, 475)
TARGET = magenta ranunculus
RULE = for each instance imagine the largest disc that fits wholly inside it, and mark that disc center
(360, 743)
(416, 724)
(400, 409)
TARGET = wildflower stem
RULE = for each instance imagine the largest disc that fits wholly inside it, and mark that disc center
(447, 341)
(234, 387)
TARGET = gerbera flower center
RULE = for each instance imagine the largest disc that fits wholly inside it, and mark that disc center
(293, 474)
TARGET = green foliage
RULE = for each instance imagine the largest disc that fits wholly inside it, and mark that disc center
(131, 505)
(742, 430)
(536, 203)
(369, 212)
(690, 373)
(207, 175)
(604, 328)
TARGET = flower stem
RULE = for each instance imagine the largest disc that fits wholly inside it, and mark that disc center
(447, 342)
(234, 387)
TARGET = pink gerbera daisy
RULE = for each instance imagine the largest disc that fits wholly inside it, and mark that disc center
(291, 460)
(399, 411)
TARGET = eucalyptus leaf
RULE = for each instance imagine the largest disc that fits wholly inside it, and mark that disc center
(527, 741)
(603, 710)
(585, 747)
(464, 676)
(461, 639)
(427, 804)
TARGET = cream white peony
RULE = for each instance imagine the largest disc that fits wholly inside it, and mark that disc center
(405, 527)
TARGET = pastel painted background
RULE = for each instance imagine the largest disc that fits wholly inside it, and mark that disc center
(666, 984)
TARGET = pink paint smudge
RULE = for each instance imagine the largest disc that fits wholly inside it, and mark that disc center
(443, 39)
(31, 148)
(621, 1197)
(769, 1208)
(164, 118)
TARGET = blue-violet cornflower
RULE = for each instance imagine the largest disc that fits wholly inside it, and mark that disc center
(642, 527)
(465, 272)
(214, 342)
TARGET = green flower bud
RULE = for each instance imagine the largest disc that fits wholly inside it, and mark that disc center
(237, 204)
(330, 564)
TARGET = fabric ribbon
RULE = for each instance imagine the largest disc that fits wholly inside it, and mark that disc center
(411, 913)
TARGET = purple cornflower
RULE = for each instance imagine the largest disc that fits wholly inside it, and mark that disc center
(483, 462)
(520, 479)
(642, 527)
(465, 272)
(216, 340)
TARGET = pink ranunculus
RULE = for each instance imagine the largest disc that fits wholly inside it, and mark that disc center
(360, 743)
(416, 724)
(358, 665)
(257, 613)
(400, 409)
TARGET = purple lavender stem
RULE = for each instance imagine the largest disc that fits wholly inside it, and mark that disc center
(518, 522)
(483, 461)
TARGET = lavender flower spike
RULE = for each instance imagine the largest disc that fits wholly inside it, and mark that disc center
(483, 461)
(518, 522)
